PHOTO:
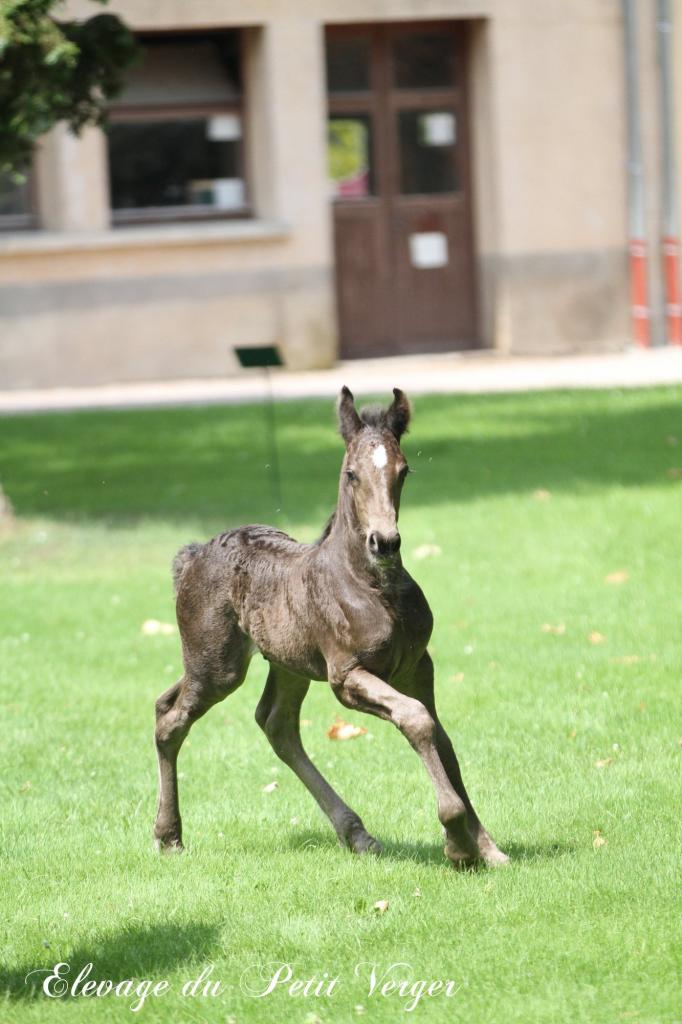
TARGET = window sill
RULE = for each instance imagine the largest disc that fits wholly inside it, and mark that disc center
(147, 237)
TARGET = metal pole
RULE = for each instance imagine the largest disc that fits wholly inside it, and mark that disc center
(670, 243)
(636, 209)
(271, 428)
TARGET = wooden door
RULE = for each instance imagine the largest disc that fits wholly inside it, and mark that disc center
(399, 174)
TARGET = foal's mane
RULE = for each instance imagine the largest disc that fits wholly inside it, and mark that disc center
(326, 530)
(375, 417)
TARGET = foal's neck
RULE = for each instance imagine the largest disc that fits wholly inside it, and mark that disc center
(347, 547)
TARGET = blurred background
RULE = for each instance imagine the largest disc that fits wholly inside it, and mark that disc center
(350, 180)
(427, 193)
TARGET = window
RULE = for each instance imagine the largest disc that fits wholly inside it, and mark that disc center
(175, 137)
(16, 204)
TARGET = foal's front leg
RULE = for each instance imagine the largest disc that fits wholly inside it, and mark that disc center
(423, 689)
(362, 691)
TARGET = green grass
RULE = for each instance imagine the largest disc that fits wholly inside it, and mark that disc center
(570, 932)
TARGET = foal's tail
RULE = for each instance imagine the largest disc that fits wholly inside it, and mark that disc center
(181, 560)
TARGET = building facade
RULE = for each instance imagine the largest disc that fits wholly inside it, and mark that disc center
(336, 179)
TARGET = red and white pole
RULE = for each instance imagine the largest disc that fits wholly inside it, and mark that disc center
(639, 300)
(673, 295)
(639, 291)
(669, 242)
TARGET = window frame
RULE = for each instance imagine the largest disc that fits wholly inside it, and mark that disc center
(24, 221)
(192, 213)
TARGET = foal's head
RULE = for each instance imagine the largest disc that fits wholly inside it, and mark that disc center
(374, 470)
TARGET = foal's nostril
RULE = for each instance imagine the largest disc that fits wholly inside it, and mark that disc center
(392, 543)
(382, 545)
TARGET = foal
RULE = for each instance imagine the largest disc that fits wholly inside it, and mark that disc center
(342, 610)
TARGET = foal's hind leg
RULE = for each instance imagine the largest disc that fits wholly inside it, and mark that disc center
(422, 688)
(211, 674)
(278, 716)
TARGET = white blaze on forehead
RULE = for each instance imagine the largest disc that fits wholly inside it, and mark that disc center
(379, 456)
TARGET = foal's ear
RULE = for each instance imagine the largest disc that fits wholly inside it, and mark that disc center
(398, 414)
(349, 421)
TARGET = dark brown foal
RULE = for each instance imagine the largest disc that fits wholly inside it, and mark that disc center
(342, 610)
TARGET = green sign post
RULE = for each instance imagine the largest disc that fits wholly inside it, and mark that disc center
(263, 357)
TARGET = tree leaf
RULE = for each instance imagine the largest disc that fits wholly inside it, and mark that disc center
(426, 551)
(341, 730)
(152, 627)
(599, 840)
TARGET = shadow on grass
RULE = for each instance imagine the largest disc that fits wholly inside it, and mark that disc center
(432, 853)
(140, 952)
(212, 464)
(310, 840)
(539, 851)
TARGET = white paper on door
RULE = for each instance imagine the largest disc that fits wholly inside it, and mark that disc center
(429, 249)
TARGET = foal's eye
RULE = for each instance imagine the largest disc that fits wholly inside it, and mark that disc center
(351, 475)
(404, 471)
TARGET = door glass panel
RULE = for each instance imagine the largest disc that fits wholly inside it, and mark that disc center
(425, 60)
(348, 64)
(427, 140)
(349, 148)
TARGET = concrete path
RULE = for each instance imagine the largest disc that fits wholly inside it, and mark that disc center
(470, 373)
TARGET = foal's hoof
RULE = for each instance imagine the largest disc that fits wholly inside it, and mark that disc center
(362, 842)
(459, 858)
(168, 845)
(461, 849)
(367, 844)
(494, 858)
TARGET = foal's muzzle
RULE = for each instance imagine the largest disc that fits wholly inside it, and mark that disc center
(384, 545)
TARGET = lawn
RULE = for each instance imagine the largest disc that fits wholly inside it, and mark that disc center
(551, 525)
